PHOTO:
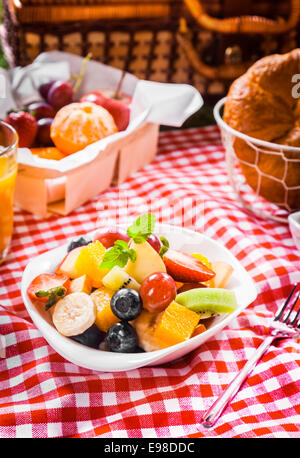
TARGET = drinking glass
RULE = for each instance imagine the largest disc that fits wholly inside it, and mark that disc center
(8, 174)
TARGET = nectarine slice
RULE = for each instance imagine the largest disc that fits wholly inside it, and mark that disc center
(223, 273)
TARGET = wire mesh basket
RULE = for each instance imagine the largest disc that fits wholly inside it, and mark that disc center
(265, 176)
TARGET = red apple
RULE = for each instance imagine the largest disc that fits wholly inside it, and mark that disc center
(109, 236)
(122, 97)
(118, 108)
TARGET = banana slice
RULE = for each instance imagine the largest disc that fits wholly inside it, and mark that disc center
(74, 314)
(145, 326)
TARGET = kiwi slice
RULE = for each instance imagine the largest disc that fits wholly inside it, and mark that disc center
(214, 300)
(117, 278)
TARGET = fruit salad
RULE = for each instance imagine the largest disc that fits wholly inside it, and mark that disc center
(130, 291)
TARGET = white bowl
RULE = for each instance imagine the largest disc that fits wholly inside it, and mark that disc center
(179, 238)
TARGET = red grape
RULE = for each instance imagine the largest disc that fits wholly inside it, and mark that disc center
(43, 133)
(44, 89)
(60, 94)
(108, 237)
(157, 291)
(154, 241)
(41, 110)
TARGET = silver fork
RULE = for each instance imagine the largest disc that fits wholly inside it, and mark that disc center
(285, 324)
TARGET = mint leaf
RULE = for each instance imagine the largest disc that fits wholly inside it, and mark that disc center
(123, 259)
(140, 230)
(132, 254)
(138, 238)
(165, 246)
(42, 293)
(122, 244)
(164, 242)
(51, 301)
(118, 255)
(163, 251)
(110, 258)
(60, 291)
(53, 295)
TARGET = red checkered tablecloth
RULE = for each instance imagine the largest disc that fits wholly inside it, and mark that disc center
(42, 395)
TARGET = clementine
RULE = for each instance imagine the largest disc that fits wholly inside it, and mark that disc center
(47, 152)
(79, 124)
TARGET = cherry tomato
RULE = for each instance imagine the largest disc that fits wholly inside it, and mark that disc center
(157, 291)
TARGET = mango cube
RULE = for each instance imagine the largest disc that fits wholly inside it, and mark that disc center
(89, 260)
(104, 315)
(176, 325)
(205, 261)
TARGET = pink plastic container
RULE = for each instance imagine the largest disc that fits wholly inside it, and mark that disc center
(44, 191)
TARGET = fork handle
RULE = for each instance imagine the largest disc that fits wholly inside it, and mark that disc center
(216, 410)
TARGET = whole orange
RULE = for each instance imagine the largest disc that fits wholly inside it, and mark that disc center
(79, 124)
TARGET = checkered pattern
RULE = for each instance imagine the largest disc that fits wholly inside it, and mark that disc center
(43, 395)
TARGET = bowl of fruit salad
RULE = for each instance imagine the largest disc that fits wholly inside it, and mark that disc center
(126, 297)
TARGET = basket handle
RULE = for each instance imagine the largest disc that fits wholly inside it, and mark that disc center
(223, 72)
(244, 24)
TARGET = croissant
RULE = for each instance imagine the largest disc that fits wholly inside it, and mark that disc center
(263, 104)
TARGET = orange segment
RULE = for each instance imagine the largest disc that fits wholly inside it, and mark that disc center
(205, 261)
(77, 125)
(104, 315)
(89, 260)
(176, 325)
(48, 152)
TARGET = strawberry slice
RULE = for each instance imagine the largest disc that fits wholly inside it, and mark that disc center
(185, 268)
(46, 282)
(188, 286)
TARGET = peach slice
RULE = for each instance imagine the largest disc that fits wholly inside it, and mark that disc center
(223, 272)
(81, 284)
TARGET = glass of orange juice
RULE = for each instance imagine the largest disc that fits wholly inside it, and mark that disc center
(8, 174)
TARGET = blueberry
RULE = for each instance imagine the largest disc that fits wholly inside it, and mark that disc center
(126, 304)
(122, 338)
(77, 243)
(92, 337)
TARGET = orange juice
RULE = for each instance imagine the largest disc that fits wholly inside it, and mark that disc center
(8, 174)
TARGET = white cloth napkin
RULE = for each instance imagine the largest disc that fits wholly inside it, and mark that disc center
(160, 103)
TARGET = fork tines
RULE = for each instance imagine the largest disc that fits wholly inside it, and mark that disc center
(284, 315)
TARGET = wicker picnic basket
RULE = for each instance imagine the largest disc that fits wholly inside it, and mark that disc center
(206, 43)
